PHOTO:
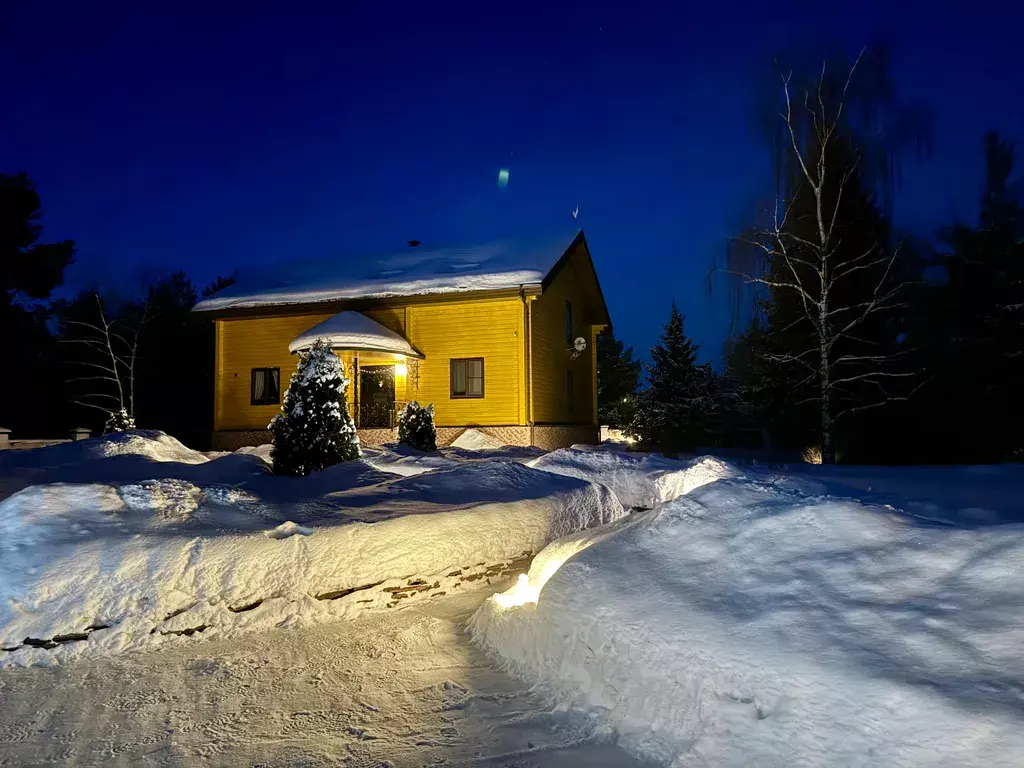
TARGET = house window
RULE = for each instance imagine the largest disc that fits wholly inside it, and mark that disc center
(467, 377)
(568, 322)
(568, 389)
(265, 386)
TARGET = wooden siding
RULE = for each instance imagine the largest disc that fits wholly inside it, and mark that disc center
(490, 328)
(262, 342)
(576, 283)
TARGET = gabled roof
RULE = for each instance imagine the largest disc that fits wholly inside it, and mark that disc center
(493, 266)
(354, 330)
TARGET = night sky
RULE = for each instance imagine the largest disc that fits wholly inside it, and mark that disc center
(179, 135)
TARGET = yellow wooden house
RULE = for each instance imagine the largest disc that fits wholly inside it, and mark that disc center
(499, 337)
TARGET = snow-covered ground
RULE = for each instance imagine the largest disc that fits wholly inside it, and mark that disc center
(101, 568)
(193, 608)
(639, 480)
(401, 688)
(470, 446)
(807, 617)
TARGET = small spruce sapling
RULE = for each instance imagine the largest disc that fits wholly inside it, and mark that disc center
(314, 429)
(118, 421)
(416, 427)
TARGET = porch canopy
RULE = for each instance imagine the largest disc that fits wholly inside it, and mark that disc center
(356, 331)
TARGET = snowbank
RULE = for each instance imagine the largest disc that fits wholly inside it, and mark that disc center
(151, 444)
(638, 479)
(122, 457)
(108, 568)
(750, 624)
(475, 440)
(400, 459)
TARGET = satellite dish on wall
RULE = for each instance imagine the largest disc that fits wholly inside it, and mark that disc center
(579, 344)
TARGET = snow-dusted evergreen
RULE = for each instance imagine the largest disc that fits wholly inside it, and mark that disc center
(314, 429)
(119, 421)
(674, 411)
(416, 426)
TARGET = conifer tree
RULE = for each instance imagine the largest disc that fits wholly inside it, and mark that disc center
(416, 427)
(314, 429)
(618, 376)
(674, 411)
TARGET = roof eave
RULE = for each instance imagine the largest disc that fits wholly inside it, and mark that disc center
(414, 353)
(337, 305)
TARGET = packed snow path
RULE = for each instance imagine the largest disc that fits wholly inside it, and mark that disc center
(406, 686)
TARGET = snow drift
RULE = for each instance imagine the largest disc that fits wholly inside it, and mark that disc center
(115, 567)
(638, 479)
(122, 457)
(751, 624)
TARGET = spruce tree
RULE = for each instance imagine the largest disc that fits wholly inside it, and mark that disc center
(674, 412)
(416, 427)
(618, 376)
(314, 429)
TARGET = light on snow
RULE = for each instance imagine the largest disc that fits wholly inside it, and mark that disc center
(520, 594)
(401, 369)
(503, 177)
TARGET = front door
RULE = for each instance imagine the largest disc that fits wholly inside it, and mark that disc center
(376, 396)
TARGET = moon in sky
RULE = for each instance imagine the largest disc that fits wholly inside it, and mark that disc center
(503, 177)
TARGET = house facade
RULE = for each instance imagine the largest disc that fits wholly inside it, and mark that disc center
(499, 338)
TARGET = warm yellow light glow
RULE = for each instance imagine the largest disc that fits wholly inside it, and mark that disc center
(401, 369)
(520, 594)
(630, 439)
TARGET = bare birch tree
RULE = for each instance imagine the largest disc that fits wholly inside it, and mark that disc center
(805, 256)
(111, 368)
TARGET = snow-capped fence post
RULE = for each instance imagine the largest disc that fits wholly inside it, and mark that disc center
(5, 438)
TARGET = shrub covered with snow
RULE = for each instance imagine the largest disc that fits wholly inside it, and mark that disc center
(314, 429)
(753, 624)
(118, 421)
(416, 427)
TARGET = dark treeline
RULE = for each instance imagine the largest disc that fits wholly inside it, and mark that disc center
(80, 361)
(858, 345)
(851, 341)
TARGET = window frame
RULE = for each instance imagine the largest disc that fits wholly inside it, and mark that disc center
(570, 394)
(452, 394)
(252, 386)
(568, 323)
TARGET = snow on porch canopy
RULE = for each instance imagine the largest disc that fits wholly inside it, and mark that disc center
(354, 330)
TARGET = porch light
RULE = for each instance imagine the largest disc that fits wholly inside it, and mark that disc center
(401, 369)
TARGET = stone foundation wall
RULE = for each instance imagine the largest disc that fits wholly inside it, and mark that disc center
(548, 437)
(232, 440)
(376, 437)
(508, 435)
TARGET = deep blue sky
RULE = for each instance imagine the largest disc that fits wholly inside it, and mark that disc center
(195, 136)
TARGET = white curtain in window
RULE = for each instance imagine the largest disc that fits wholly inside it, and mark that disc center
(460, 377)
(275, 384)
(259, 384)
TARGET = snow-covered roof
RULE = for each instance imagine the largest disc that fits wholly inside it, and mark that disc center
(413, 272)
(354, 330)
